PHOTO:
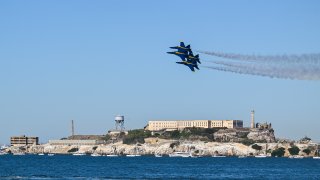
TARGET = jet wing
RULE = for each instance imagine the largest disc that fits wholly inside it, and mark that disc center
(191, 67)
(182, 56)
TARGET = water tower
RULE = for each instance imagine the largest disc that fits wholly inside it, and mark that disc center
(119, 122)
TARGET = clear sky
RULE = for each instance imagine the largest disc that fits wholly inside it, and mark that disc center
(91, 60)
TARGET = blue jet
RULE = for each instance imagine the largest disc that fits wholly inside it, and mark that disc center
(182, 51)
(190, 63)
(182, 48)
(192, 57)
(182, 55)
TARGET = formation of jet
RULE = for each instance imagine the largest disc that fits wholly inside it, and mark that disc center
(186, 55)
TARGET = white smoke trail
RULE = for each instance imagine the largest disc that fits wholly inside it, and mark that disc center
(268, 71)
(284, 59)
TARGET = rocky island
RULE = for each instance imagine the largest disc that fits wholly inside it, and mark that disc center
(197, 141)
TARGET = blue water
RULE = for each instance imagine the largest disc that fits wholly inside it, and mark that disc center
(147, 167)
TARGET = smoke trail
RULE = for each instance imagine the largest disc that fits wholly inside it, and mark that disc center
(303, 58)
(268, 71)
(294, 68)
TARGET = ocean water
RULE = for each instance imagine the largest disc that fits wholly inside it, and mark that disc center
(148, 167)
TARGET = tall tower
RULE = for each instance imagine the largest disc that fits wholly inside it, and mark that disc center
(252, 119)
(119, 122)
(72, 128)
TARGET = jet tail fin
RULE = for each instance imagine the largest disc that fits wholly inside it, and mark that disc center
(198, 59)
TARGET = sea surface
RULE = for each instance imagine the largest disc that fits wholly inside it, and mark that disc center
(148, 167)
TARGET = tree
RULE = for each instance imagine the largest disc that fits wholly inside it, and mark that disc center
(307, 151)
(278, 152)
(256, 147)
(294, 150)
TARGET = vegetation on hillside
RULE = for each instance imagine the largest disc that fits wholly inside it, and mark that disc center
(73, 150)
(136, 136)
(256, 147)
(294, 150)
(307, 151)
(205, 134)
(192, 133)
(278, 152)
(247, 142)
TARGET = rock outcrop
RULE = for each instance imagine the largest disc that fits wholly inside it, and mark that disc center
(262, 135)
(238, 135)
(163, 146)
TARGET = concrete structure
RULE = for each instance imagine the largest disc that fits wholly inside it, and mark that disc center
(23, 140)
(252, 124)
(75, 142)
(263, 125)
(113, 132)
(181, 124)
(86, 137)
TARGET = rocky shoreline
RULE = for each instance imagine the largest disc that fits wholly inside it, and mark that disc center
(165, 147)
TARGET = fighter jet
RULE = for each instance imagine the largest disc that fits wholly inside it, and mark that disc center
(182, 48)
(182, 55)
(190, 63)
(192, 57)
(185, 53)
(182, 51)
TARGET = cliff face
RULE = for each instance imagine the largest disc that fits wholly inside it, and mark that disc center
(162, 146)
(266, 135)
(152, 146)
(238, 135)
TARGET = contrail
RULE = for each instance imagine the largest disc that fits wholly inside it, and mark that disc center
(268, 71)
(271, 67)
(302, 58)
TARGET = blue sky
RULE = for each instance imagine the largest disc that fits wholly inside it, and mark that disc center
(91, 60)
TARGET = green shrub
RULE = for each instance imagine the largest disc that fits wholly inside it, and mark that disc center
(256, 147)
(307, 151)
(172, 145)
(175, 134)
(133, 140)
(73, 150)
(136, 136)
(247, 142)
(294, 150)
(106, 137)
(278, 152)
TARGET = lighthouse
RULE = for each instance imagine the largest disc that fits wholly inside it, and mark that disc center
(252, 119)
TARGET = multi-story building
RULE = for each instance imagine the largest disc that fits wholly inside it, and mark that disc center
(23, 140)
(181, 124)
